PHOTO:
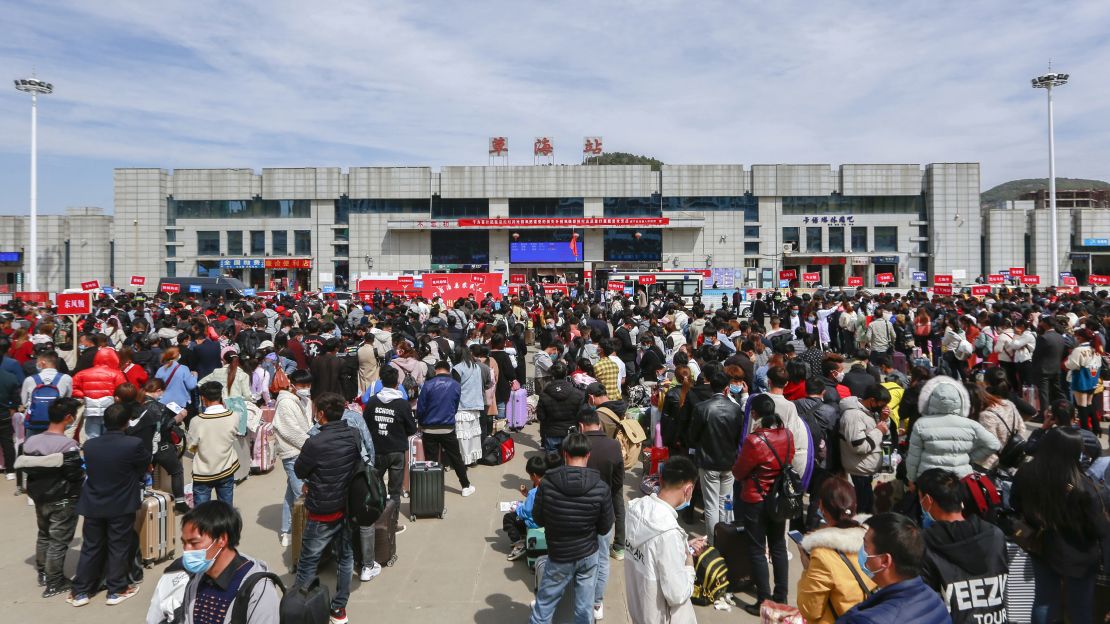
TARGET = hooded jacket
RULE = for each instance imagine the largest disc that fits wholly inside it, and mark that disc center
(327, 462)
(965, 562)
(657, 580)
(438, 402)
(101, 380)
(389, 419)
(574, 506)
(264, 599)
(558, 408)
(860, 440)
(715, 431)
(944, 437)
(827, 588)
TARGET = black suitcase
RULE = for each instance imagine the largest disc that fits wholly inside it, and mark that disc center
(732, 543)
(385, 535)
(426, 491)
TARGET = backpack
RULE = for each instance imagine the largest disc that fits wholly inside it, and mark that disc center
(306, 605)
(984, 345)
(710, 577)
(366, 497)
(243, 596)
(629, 433)
(42, 397)
(784, 500)
(409, 384)
(982, 498)
(1013, 451)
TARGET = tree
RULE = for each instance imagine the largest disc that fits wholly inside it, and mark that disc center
(624, 158)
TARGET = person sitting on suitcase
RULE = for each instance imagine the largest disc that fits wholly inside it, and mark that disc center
(326, 464)
(517, 522)
(212, 437)
(435, 413)
(220, 575)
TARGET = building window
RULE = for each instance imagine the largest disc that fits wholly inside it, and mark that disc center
(621, 245)
(751, 231)
(256, 208)
(279, 243)
(171, 236)
(460, 250)
(208, 243)
(840, 204)
(342, 251)
(813, 239)
(342, 234)
(751, 263)
(632, 206)
(171, 269)
(345, 206)
(302, 242)
(171, 251)
(836, 239)
(234, 243)
(258, 243)
(547, 207)
(459, 208)
(792, 236)
(886, 238)
(751, 248)
(859, 239)
(748, 204)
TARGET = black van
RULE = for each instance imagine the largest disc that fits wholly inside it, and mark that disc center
(228, 287)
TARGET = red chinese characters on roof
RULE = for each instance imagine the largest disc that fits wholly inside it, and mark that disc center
(542, 147)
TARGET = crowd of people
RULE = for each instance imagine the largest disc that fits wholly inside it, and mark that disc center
(874, 426)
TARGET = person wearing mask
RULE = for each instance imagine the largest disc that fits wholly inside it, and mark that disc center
(1048, 354)
(558, 407)
(880, 333)
(859, 378)
(659, 574)
(326, 464)
(542, 362)
(178, 379)
(864, 426)
(212, 438)
(607, 371)
(944, 436)
(210, 535)
(777, 378)
(963, 555)
(650, 357)
(574, 505)
(609, 411)
(715, 433)
(1067, 516)
(95, 387)
(435, 414)
(821, 415)
(292, 421)
(115, 465)
(86, 352)
(832, 581)
(606, 458)
(1062, 414)
(767, 450)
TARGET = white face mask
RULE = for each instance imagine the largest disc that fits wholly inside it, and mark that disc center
(304, 393)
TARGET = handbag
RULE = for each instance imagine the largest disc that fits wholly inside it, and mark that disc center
(1013, 451)
(1026, 536)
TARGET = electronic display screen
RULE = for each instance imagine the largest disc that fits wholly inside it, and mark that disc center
(546, 247)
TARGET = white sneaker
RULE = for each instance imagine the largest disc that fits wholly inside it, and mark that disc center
(286, 540)
(10, 476)
(368, 573)
(599, 612)
(467, 491)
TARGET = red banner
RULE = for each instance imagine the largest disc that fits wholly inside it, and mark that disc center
(788, 274)
(1017, 271)
(170, 287)
(138, 280)
(90, 285)
(518, 278)
(74, 303)
(615, 286)
(646, 280)
(942, 279)
(587, 274)
(1099, 280)
(884, 278)
(515, 222)
(995, 278)
(405, 280)
(811, 277)
(551, 288)
(1031, 279)
(942, 290)
(288, 263)
(1069, 280)
(452, 286)
(855, 280)
(980, 290)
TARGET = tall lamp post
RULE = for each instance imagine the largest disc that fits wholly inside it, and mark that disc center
(1047, 82)
(35, 87)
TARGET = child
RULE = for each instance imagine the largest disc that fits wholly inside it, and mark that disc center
(516, 523)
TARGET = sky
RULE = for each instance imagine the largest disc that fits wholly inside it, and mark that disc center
(282, 83)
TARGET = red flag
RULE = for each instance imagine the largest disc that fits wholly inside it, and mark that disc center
(574, 244)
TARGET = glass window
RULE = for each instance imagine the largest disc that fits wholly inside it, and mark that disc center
(345, 206)
(302, 241)
(171, 251)
(547, 207)
(258, 243)
(460, 250)
(632, 206)
(836, 239)
(342, 234)
(208, 243)
(813, 239)
(751, 248)
(342, 251)
(886, 238)
(751, 231)
(792, 235)
(279, 243)
(859, 239)
(234, 243)
(171, 236)
(171, 269)
(839, 204)
(256, 208)
(457, 208)
(748, 204)
(622, 245)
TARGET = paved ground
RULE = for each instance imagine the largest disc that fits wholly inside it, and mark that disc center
(451, 570)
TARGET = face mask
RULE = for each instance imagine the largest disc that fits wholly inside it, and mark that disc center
(553, 356)
(926, 519)
(840, 376)
(195, 562)
(793, 313)
(735, 389)
(863, 557)
(812, 319)
(304, 393)
(685, 503)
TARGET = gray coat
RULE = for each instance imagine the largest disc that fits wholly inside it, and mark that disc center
(264, 601)
(944, 436)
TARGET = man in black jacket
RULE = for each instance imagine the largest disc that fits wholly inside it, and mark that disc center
(390, 422)
(575, 506)
(715, 431)
(651, 359)
(859, 378)
(965, 558)
(1048, 355)
(627, 349)
(327, 462)
(558, 408)
(506, 373)
(116, 464)
(606, 458)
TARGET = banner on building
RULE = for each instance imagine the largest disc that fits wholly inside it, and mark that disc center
(570, 222)
(591, 146)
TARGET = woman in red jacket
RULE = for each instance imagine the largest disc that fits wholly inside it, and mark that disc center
(764, 453)
(134, 373)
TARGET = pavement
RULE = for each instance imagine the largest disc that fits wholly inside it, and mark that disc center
(448, 571)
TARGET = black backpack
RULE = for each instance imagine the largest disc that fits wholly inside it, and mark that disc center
(784, 500)
(243, 596)
(366, 498)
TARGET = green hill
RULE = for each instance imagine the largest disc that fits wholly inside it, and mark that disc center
(623, 158)
(1008, 191)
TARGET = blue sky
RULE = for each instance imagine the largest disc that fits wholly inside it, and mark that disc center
(347, 83)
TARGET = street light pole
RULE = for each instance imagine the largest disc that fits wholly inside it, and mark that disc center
(35, 87)
(1047, 82)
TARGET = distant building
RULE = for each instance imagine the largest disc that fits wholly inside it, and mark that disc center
(73, 247)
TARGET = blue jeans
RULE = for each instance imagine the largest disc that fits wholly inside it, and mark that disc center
(501, 411)
(556, 578)
(552, 443)
(225, 490)
(602, 567)
(93, 427)
(293, 487)
(317, 537)
(1047, 597)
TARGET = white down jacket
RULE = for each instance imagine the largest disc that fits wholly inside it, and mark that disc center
(944, 436)
(658, 581)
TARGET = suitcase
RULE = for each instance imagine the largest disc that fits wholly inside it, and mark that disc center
(1019, 585)
(415, 453)
(535, 543)
(1030, 395)
(900, 363)
(157, 527)
(730, 541)
(299, 519)
(262, 455)
(497, 449)
(516, 410)
(385, 534)
(426, 495)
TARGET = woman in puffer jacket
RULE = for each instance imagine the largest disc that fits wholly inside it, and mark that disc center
(944, 436)
(95, 387)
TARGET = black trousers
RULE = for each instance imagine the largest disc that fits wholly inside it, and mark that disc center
(444, 448)
(865, 494)
(167, 458)
(105, 538)
(7, 440)
(391, 468)
(514, 527)
(1048, 389)
(764, 534)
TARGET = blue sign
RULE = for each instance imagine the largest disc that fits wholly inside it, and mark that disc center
(504, 290)
(784, 283)
(628, 290)
(242, 263)
(1065, 273)
(195, 288)
(248, 292)
(328, 288)
(884, 259)
(11, 256)
(1096, 242)
(418, 283)
(1005, 272)
(918, 276)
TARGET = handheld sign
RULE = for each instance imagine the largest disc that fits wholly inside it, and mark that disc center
(196, 288)
(170, 287)
(74, 303)
(942, 279)
(90, 285)
(138, 280)
(788, 274)
(855, 280)
(646, 280)
(1030, 279)
(980, 290)
(884, 278)
(942, 290)
(811, 277)
(996, 278)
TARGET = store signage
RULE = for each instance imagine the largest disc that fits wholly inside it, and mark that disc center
(74, 303)
(518, 278)
(884, 259)
(855, 280)
(1017, 271)
(860, 260)
(557, 222)
(196, 289)
(884, 278)
(942, 279)
(90, 285)
(11, 256)
(170, 287)
(248, 292)
(242, 263)
(996, 278)
(138, 280)
(847, 220)
(788, 274)
(918, 276)
(811, 277)
(1096, 242)
(616, 286)
(1099, 280)
(327, 288)
(1030, 279)
(942, 290)
(289, 263)
(587, 274)
(980, 290)
(646, 280)
(1069, 280)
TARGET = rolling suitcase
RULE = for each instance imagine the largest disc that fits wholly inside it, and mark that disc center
(415, 453)
(730, 541)
(299, 519)
(161, 479)
(156, 526)
(1020, 587)
(426, 495)
(262, 454)
(900, 363)
(385, 535)
(516, 411)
